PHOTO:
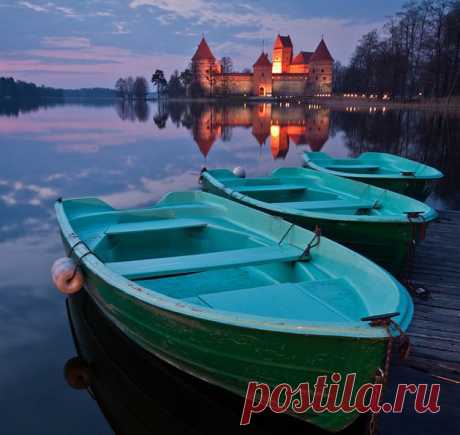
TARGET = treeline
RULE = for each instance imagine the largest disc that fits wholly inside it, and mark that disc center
(89, 93)
(177, 84)
(19, 90)
(129, 88)
(417, 53)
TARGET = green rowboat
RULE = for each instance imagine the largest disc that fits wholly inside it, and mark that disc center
(377, 223)
(231, 295)
(384, 170)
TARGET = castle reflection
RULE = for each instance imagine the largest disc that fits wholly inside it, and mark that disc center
(281, 125)
(278, 125)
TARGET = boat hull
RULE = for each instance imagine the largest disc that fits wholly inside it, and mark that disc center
(419, 189)
(230, 356)
(417, 183)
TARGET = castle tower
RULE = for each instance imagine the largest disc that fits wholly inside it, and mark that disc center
(262, 78)
(261, 121)
(318, 124)
(321, 70)
(282, 54)
(279, 141)
(205, 132)
(204, 67)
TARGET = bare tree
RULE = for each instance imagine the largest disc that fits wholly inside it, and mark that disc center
(121, 88)
(140, 88)
(226, 64)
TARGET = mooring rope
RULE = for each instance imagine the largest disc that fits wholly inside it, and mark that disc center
(381, 376)
(79, 259)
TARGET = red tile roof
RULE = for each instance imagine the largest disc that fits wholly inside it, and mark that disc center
(302, 58)
(260, 136)
(263, 60)
(203, 52)
(321, 53)
(283, 41)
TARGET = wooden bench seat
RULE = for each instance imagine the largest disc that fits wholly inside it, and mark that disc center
(154, 225)
(339, 204)
(149, 268)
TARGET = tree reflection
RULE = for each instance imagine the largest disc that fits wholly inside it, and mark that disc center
(129, 110)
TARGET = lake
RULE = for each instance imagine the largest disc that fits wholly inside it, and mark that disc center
(131, 155)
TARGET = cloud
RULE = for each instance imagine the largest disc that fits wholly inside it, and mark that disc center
(104, 14)
(65, 42)
(150, 190)
(34, 7)
(76, 60)
(66, 11)
(50, 7)
(341, 34)
(120, 28)
(202, 11)
(31, 194)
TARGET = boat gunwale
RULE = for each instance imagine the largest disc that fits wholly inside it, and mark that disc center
(435, 176)
(429, 214)
(152, 298)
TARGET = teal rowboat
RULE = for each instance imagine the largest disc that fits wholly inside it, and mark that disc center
(384, 170)
(377, 223)
(231, 295)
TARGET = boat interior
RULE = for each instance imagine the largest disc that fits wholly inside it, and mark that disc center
(307, 190)
(201, 256)
(371, 163)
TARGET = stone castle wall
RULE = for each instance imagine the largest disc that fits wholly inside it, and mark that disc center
(289, 84)
(233, 84)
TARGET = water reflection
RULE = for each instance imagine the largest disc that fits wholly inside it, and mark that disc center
(429, 137)
(133, 110)
(74, 150)
(140, 394)
(282, 123)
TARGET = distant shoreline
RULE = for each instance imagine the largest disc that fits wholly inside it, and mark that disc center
(341, 103)
(335, 102)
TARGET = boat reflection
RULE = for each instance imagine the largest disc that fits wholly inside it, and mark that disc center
(140, 394)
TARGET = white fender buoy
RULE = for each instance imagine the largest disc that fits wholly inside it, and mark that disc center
(67, 277)
(77, 373)
(239, 172)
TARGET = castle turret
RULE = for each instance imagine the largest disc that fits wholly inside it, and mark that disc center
(321, 70)
(262, 78)
(203, 67)
(282, 54)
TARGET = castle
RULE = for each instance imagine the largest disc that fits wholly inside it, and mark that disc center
(305, 74)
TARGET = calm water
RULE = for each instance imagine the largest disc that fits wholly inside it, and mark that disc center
(131, 156)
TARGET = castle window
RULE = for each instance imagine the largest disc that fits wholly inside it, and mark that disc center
(324, 78)
(276, 66)
(322, 70)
